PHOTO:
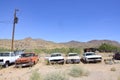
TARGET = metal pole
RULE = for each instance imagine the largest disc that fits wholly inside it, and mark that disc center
(14, 22)
(13, 37)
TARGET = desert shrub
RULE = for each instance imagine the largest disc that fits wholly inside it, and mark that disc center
(113, 69)
(105, 47)
(4, 49)
(118, 78)
(0, 66)
(108, 61)
(78, 71)
(46, 62)
(35, 75)
(56, 76)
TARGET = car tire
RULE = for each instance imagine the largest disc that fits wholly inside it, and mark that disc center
(6, 64)
(62, 63)
(67, 62)
(85, 61)
(78, 62)
(31, 64)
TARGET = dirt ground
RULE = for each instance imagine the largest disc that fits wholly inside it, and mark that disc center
(97, 71)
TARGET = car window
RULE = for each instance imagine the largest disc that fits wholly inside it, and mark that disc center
(4, 54)
(27, 55)
(12, 54)
(73, 55)
(53, 55)
(88, 54)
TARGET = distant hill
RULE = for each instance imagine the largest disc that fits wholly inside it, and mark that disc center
(29, 43)
(92, 43)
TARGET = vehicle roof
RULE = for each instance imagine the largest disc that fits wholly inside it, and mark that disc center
(72, 53)
(28, 53)
(56, 53)
(89, 52)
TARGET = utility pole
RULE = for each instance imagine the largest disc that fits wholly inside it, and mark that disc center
(14, 22)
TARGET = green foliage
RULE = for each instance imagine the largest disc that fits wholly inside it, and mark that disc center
(55, 50)
(29, 50)
(108, 48)
(35, 75)
(37, 51)
(4, 50)
(74, 50)
(56, 76)
(78, 71)
(66, 50)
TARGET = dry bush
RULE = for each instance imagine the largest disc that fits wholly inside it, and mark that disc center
(1, 66)
(46, 62)
(35, 75)
(56, 76)
(113, 69)
(108, 61)
(78, 71)
(118, 78)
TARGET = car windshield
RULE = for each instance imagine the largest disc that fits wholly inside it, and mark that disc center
(53, 55)
(73, 55)
(27, 55)
(4, 54)
(88, 54)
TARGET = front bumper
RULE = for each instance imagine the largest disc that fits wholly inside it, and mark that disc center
(73, 61)
(57, 61)
(2, 63)
(23, 64)
(94, 60)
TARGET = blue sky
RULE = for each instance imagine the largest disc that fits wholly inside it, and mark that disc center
(61, 20)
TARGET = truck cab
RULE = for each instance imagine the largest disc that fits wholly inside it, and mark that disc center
(7, 58)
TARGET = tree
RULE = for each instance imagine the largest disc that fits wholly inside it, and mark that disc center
(108, 48)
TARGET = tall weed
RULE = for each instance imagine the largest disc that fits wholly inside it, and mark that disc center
(76, 71)
(56, 76)
(35, 75)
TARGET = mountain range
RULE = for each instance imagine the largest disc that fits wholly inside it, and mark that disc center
(29, 43)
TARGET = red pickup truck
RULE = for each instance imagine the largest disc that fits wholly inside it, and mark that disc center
(27, 59)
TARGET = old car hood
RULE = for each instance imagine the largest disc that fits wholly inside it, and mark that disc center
(93, 56)
(23, 60)
(73, 57)
(56, 58)
(5, 58)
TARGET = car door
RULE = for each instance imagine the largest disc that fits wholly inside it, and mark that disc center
(35, 58)
(13, 58)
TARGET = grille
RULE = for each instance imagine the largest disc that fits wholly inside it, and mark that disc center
(58, 60)
(94, 58)
(1, 60)
(22, 63)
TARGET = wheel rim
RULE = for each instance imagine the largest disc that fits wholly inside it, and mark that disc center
(6, 65)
